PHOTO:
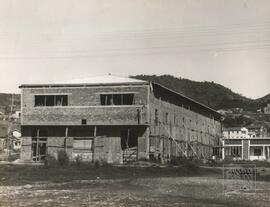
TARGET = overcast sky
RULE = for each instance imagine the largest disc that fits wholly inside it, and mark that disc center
(225, 41)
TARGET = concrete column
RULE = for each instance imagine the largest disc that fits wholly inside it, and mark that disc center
(223, 150)
(143, 145)
(26, 149)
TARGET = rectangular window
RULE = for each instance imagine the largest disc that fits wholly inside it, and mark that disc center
(128, 99)
(117, 99)
(61, 100)
(84, 121)
(257, 152)
(51, 100)
(39, 100)
(166, 117)
(156, 117)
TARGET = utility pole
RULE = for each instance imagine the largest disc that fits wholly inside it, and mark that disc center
(10, 126)
(12, 103)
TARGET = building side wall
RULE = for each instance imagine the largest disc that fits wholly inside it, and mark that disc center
(185, 126)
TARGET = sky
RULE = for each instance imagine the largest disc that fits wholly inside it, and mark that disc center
(225, 41)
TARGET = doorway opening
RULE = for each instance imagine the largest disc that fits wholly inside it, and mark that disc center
(129, 145)
(39, 145)
(39, 149)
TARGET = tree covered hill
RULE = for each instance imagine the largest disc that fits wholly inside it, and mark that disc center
(209, 93)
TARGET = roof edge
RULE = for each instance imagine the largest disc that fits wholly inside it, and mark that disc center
(79, 85)
(190, 99)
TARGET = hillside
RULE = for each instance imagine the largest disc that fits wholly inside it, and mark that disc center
(263, 100)
(208, 93)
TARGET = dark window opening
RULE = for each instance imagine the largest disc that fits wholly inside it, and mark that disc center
(61, 100)
(34, 133)
(257, 152)
(83, 131)
(39, 100)
(43, 133)
(84, 121)
(166, 117)
(128, 99)
(39, 133)
(106, 99)
(156, 117)
(117, 99)
(51, 100)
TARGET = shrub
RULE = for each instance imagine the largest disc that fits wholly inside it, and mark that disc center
(50, 161)
(63, 158)
(188, 164)
(97, 164)
(179, 160)
(78, 161)
(101, 163)
(192, 166)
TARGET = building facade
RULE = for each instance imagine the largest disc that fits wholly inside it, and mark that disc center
(235, 133)
(246, 143)
(257, 130)
(115, 120)
(257, 148)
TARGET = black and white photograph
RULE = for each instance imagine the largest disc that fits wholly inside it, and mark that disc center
(146, 103)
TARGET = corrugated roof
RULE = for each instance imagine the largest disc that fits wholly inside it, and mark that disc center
(187, 98)
(97, 80)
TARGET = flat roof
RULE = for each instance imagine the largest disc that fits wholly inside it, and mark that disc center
(97, 80)
(251, 138)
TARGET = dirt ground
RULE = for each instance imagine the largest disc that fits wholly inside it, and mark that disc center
(206, 190)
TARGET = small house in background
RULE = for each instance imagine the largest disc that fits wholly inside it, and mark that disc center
(16, 140)
(16, 116)
(266, 110)
(235, 133)
(246, 143)
(258, 130)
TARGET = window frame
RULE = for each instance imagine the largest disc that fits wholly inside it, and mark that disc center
(53, 102)
(112, 99)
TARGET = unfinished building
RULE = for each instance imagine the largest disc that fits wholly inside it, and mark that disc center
(115, 120)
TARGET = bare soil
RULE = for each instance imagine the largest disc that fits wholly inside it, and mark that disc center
(111, 186)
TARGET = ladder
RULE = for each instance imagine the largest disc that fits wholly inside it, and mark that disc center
(130, 154)
(171, 137)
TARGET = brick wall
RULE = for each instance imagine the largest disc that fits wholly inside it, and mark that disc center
(84, 103)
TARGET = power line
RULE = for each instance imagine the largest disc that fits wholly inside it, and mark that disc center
(142, 53)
